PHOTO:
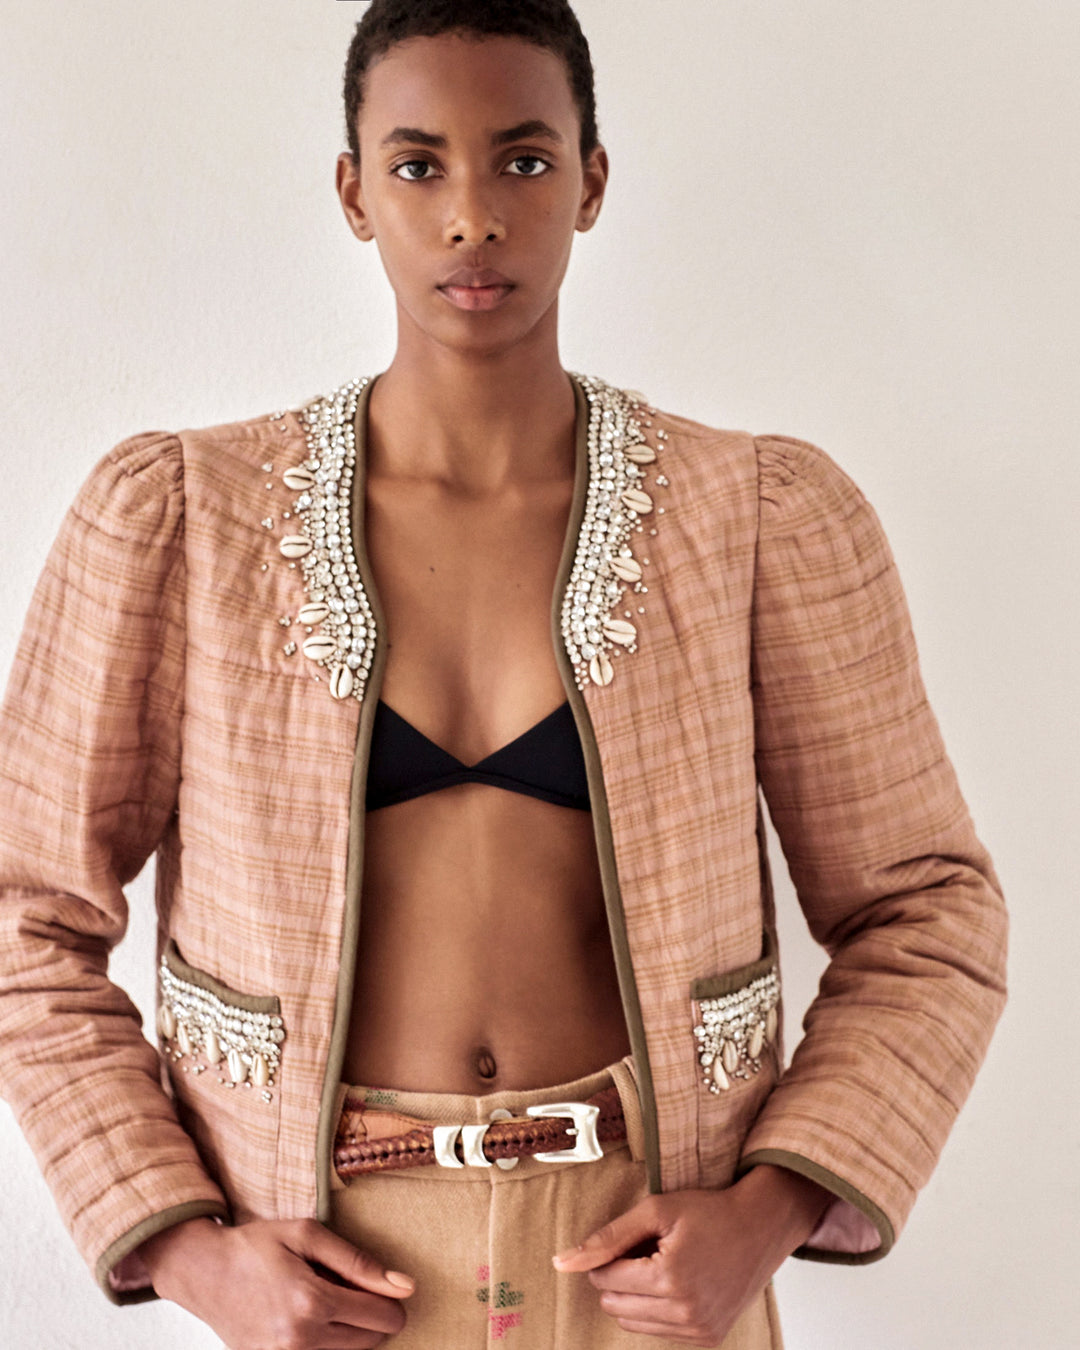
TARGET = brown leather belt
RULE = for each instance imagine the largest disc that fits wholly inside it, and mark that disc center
(500, 1142)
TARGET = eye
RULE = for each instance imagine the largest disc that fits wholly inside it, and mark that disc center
(410, 176)
(528, 166)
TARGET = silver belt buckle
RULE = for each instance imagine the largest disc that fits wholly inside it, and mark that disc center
(587, 1148)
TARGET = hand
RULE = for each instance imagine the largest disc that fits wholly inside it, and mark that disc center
(273, 1285)
(713, 1253)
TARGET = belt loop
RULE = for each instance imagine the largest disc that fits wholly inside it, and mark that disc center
(623, 1076)
(336, 1182)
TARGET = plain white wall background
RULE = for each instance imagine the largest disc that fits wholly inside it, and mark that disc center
(854, 223)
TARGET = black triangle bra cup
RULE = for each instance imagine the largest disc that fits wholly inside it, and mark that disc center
(546, 762)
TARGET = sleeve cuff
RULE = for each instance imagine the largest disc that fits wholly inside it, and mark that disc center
(120, 1270)
(853, 1231)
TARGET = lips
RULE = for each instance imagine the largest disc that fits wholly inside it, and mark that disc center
(476, 289)
(475, 277)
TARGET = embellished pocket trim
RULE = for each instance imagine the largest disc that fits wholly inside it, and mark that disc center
(736, 1019)
(205, 1025)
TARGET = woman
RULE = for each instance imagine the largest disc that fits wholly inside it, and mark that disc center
(444, 702)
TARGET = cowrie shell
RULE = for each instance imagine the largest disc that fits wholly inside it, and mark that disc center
(771, 1023)
(720, 1078)
(212, 1047)
(166, 1022)
(601, 671)
(310, 615)
(295, 545)
(626, 569)
(637, 501)
(183, 1039)
(729, 1056)
(318, 647)
(260, 1073)
(299, 479)
(757, 1041)
(620, 631)
(341, 682)
(237, 1067)
(640, 454)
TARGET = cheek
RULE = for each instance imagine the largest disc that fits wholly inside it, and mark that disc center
(559, 231)
(397, 239)
(549, 228)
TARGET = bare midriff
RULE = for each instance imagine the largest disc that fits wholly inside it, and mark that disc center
(485, 960)
(484, 957)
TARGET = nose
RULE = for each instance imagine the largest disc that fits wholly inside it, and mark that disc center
(473, 218)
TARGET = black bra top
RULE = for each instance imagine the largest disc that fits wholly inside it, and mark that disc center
(546, 762)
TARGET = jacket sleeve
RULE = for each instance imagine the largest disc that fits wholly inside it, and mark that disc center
(883, 855)
(89, 770)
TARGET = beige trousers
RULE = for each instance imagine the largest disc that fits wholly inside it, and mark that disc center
(479, 1241)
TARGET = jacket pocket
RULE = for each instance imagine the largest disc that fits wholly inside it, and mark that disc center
(736, 1021)
(223, 1049)
(737, 1016)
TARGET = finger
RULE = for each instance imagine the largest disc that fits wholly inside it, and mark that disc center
(317, 1244)
(614, 1239)
(642, 1308)
(352, 1309)
(355, 1315)
(349, 1338)
(669, 1333)
(644, 1276)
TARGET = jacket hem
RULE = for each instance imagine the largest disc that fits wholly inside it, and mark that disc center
(325, 1176)
(609, 877)
(114, 1255)
(843, 1190)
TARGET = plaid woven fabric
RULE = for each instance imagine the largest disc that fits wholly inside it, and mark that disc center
(153, 706)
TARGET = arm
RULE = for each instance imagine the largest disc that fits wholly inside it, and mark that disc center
(893, 883)
(89, 770)
(883, 855)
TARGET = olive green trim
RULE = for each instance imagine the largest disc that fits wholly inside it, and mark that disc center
(255, 1003)
(716, 986)
(354, 863)
(598, 801)
(806, 1167)
(111, 1257)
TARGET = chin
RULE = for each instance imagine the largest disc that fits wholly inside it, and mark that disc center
(482, 335)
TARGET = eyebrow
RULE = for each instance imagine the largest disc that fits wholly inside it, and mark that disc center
(536, 128)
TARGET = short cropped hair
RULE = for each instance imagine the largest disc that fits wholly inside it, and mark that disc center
(547, 23)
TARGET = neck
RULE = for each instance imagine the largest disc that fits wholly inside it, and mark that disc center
(477, 422)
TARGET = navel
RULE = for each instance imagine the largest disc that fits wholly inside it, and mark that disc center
(486, 1067)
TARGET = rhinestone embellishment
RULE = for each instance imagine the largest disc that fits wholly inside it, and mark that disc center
(245, 1047)
(343, 642)
(734, 1030)
(604, 565)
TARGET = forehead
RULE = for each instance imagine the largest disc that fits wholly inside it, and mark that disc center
(459, 83)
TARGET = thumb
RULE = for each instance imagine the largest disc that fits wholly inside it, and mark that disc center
(614, 1239)
(320, 1247)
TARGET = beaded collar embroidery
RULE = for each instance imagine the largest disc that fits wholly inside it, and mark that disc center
(338, 616)
(337, 602)
(604, 564)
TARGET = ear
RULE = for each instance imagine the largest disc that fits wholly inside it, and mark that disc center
(595, 177)
(352, 201)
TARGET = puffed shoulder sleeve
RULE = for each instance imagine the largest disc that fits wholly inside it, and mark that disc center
(89, 771)
(883, 855)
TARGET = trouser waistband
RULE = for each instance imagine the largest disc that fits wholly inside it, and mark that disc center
(382, 1129)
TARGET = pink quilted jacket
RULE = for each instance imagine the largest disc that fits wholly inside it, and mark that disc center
(197, 679)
